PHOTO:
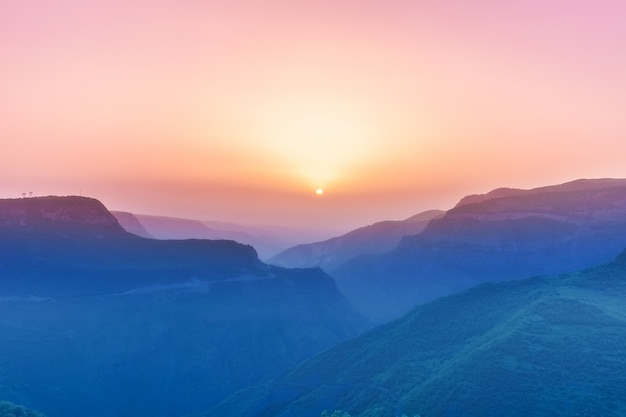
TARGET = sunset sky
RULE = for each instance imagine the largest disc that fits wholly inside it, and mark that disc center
(240, 110)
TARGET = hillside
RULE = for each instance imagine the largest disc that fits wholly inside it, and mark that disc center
(508, 235)
(373, 239)
(541, 346)
(95, 318)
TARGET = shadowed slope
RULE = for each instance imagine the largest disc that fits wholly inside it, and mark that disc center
(540, 347)
(95, 319)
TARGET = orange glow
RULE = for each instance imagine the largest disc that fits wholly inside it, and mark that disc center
(237, 110)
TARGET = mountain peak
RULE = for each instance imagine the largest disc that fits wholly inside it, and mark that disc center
(426, 216)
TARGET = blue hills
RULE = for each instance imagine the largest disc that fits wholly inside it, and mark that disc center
(97, 321)
(377, 238)
(503, 235)
(543, 346)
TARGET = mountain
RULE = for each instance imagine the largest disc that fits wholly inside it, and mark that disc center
(75, 246)
(572, 186)
(506, 234)
(535, 347)
(376, 238)
(131, 224)
(162, 227)
(97, 321)
(267, 241)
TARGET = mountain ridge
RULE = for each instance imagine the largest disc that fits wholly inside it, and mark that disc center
(579, 184)
(376, 238)
(267, 241)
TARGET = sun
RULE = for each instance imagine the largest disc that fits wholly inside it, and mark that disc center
(319, 191)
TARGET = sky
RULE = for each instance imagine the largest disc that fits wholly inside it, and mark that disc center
(239, 110)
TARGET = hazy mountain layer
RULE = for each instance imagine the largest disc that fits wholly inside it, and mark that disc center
(266, 241)
(131, 224)
(96, 321)
(535, 347)
(508, 234)
(377, 238)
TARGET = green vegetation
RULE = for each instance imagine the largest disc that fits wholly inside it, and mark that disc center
(8, 409)
(541, 347)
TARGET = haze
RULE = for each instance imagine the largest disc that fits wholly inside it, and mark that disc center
(240, 110)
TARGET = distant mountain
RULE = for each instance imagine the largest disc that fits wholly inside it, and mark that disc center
(503, 235)
(535, 347)
(131, 224)
(267, 241)
(97, 321)
(162, 227)
(377, 238)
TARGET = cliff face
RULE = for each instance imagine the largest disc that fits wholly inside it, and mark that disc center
(29, 212)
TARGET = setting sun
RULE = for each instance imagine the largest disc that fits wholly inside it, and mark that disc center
(319, 191)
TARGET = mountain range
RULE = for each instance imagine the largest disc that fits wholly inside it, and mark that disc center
(98, 321)
(373, 239)
(503, 235)
(267, 240)
(543, 346)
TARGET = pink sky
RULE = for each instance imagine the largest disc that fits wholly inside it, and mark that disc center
(239, 110)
